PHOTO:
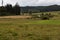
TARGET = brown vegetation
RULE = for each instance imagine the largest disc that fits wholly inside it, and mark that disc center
(15, 16)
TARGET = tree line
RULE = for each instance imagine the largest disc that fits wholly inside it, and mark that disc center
(37, 9)
(10, 10)
(17, 10)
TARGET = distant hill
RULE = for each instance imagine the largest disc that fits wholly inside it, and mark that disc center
(40, 8)
(17, 10)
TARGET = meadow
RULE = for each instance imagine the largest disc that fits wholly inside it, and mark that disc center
(29, 29)
(21, 28)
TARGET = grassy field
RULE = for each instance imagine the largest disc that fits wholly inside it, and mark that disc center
(29, 29)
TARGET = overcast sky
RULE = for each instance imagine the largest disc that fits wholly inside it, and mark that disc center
(31, 2)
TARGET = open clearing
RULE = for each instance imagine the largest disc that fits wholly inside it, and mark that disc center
(29, 29)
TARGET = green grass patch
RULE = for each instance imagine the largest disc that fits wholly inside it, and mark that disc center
(29, 29)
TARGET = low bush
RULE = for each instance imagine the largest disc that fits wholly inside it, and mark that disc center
(46, 16)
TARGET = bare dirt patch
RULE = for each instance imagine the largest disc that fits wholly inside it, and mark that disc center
(15, 16)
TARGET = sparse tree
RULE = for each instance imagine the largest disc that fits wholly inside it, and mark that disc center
(17, 9)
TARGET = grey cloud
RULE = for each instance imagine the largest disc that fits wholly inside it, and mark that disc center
(31, 2)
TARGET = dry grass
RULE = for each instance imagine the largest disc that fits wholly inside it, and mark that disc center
(15, 16)
(20, 28)
(29, 29)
